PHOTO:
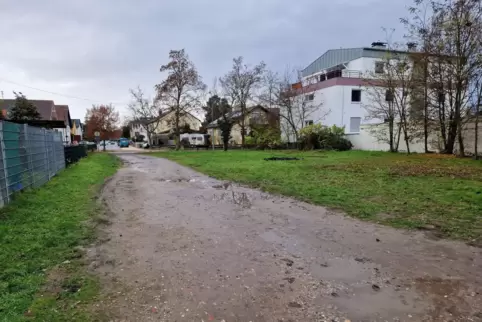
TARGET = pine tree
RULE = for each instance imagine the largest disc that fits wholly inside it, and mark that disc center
(23, 110)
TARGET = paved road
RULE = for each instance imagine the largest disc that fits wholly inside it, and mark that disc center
(181, 246)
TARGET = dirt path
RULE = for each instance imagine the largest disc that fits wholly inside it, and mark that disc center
(184, 247)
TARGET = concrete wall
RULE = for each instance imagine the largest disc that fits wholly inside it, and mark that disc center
(469, 139)
(367, 140)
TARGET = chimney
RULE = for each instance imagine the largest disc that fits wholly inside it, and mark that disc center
(379, 45)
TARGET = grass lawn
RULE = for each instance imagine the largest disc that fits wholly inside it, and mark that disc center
(40, 273)
(395, 189)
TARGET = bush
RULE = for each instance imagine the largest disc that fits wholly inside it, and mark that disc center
(263, 137)
(316, 136)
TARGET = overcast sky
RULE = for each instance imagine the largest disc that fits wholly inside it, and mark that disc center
(98, 49)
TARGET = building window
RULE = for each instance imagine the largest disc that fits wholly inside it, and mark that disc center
(355, 124)
(308, 122)
(379, 67)
(389, 95)
(310, 97)
(356, 95)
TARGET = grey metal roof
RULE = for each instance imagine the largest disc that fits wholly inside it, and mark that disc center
(335, 57)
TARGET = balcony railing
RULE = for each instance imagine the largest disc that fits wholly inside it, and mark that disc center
(351, 73)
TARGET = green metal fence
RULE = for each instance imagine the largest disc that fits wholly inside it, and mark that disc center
(30, 156)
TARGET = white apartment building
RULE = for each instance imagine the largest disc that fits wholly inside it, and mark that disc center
(337, 83)
(138, 129)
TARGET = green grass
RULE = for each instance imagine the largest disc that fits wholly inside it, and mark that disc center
(38, 232)
(394, 189)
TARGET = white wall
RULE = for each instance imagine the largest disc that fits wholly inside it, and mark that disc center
(336, 101)
(65, 134)
(365, 140)
(363, 64)
(138, 128)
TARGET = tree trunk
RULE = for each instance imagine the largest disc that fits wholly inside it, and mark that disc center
(477, 112)
(460, 137)
(476, 139)
(398, 138)
(451, 136)
(407, 142)
(443, 129)
(177, 131)
(243, 126)
(425, 106)
(391, 134)
(148, 137)
(408, 145)
(405, 133)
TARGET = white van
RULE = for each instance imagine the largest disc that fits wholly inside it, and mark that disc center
(196, 139)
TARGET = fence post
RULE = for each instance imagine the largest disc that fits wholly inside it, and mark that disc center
(46, 149)
(53, 149)
(5, 172)
(28, 150)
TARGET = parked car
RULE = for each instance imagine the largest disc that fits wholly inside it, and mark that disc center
(124, 143)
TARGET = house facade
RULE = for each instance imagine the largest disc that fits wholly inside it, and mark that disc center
(77, 130)
(165, 123)
(162, 128)
(255, 116)
(138, 129)
(62, 113)
(48, 112)
(338, 82)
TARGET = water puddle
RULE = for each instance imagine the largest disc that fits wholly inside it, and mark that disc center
(238, 198)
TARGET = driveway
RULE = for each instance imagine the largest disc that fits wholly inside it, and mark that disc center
(181, 246)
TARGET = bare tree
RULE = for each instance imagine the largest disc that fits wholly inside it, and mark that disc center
(101, 118)
(400, 68)
(271, 82)
(144, 113)
(240, 85)
(181, 91)
(460, 30)
(296, 99)
(381, 88)
(420, 32)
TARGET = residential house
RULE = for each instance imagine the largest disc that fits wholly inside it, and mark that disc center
(48, 112)
(337, 83)
(255, 116)
(138, 129)
(77, 130)
(63, 114)
(164, 127)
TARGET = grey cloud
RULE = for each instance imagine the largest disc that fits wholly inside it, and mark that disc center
(105, 47)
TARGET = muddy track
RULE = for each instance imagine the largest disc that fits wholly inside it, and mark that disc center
(184, 247)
